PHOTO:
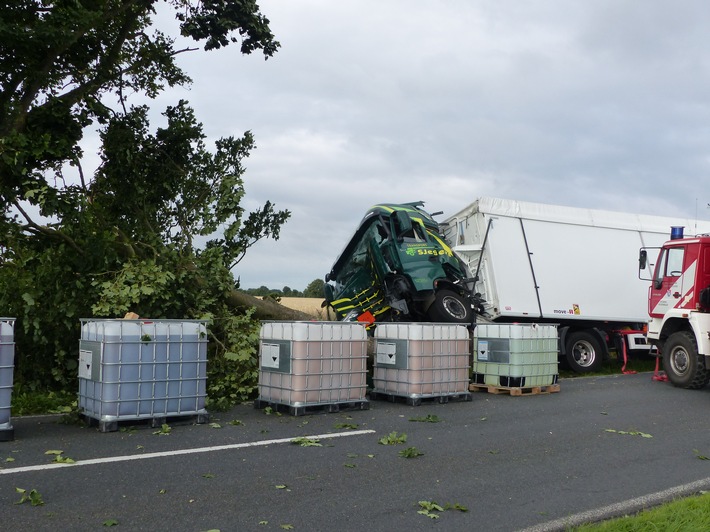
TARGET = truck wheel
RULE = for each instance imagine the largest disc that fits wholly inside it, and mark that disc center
(450, 307)
(584, 352)
(684, 366)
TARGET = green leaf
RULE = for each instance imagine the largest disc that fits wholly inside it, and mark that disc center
(34, 498)
(110, 522)
(393, 438)
(410, 452)
(307, 442)
(429, 418)
(165, 430)
(629, 433)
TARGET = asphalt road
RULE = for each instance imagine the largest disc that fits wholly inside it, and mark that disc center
(600, 447)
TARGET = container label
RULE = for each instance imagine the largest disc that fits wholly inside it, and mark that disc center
(483, 350)
(386, 353)
(85, 363)
(270, 356)
(90, 362)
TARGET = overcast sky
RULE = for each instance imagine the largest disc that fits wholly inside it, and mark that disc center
(602, 104)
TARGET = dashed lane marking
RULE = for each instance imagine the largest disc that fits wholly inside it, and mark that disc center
(178, 452)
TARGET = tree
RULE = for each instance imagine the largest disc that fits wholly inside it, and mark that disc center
(315, 288)
(123, 239)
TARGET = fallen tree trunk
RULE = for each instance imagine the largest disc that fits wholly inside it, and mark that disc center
(266, 309)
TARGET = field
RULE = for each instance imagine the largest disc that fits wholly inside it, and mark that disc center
(309, 305)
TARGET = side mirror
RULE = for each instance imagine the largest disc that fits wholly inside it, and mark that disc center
(643, 259)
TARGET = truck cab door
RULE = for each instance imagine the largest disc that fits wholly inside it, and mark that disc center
(672, 279)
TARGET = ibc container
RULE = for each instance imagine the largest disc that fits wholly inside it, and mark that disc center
(416, 360)
(515, 355)
(142, 369)
(312, 363)
(7, 365)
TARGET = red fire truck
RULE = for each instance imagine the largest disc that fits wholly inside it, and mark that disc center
(679, 306)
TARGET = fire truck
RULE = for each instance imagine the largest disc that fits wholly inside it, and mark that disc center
(679, 306)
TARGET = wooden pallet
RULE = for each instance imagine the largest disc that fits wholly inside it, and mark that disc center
(528, 390)
(418, 400)
(321, 408)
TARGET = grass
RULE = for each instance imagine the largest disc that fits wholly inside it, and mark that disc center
(692, 513)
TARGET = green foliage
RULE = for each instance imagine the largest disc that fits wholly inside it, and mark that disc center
(691, 513)
(33, 497)
(315, 289)
(629, 433)
(410, 452)
(27, 402)
(429, 418)
(431, 509)
(306, 442)
(159, 226)
(393, 438)
(164, 430)
(352, 426)
(233, 367)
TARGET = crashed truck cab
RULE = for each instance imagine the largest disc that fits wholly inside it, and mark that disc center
(397, 267)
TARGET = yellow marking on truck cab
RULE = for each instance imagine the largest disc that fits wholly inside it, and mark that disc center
(442, 243)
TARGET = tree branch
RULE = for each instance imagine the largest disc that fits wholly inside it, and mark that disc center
(37, 229)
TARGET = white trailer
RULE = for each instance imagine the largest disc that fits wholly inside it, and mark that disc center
(574, 267)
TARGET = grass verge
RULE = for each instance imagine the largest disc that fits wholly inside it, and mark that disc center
(692, 513)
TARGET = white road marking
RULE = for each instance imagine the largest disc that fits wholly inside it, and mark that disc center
(178, 452)
(619, 509)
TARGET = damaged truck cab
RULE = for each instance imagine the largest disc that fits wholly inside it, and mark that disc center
(397, 267)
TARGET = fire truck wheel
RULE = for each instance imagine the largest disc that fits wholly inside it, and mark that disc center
(584, 352)
(450, 307)
(683, 365)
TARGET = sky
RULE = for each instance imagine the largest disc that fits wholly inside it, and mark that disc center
(601, 104)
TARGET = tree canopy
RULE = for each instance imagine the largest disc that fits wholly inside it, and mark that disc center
(159, 225)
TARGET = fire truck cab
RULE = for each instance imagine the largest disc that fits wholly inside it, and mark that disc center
(679, 306)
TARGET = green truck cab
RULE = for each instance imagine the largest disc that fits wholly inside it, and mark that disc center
(397, 267)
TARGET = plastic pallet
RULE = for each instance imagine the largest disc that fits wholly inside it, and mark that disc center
(322, 408)
(527, 390)
(418, 400)
(156, 421)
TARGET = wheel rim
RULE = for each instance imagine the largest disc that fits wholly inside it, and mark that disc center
(680, 361)
(454, 307)
(584, 353)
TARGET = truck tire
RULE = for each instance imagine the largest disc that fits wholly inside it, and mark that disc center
(683, 364)
(584, 352)
(450, 307)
